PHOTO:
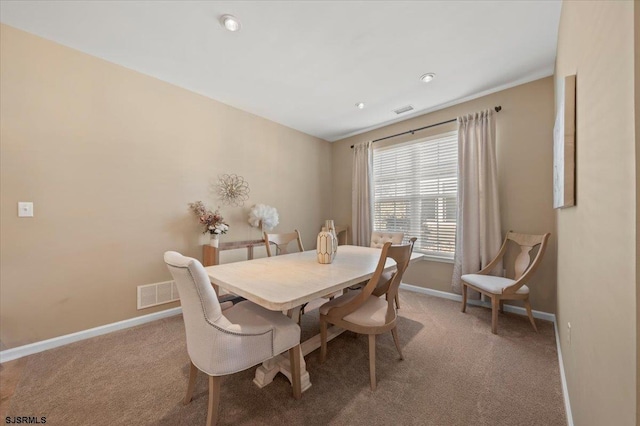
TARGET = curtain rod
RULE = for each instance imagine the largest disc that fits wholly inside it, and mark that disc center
(497, 109)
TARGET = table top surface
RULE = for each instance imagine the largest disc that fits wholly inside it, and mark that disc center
(284, 282)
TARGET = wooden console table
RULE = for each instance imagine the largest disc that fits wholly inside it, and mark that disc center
(211, 255)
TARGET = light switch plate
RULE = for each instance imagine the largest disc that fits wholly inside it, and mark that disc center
(25, 209)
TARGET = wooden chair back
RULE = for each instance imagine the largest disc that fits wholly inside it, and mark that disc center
(281, 241)
(402, 255)
(342, 232)
(397, 253)
(527, 243)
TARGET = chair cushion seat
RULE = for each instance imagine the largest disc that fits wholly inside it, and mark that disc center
(371, 313)
(491, 284)
(286, 332)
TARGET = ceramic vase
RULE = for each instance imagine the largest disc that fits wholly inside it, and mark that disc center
(215, 240)
(324, 247)
(328, 224)
(327, 243)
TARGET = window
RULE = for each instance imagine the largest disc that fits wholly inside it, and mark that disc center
(415, 189)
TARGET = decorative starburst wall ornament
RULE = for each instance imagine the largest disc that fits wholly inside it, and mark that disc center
(232, 190)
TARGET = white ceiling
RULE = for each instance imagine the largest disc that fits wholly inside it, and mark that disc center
(306, 64)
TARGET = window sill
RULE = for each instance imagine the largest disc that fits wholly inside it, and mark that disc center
(432, 258)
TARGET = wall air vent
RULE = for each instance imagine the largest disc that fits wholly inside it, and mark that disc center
(157, 294)
(403, 109)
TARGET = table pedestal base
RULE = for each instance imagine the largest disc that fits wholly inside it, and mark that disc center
(280, 364)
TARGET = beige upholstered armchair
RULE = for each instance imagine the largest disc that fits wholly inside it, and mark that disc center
(500, 289)
(225, 342)
(379, 238)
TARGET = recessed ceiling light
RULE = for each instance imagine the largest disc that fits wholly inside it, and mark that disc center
(427, 77)
(360, 105)
(230, 22)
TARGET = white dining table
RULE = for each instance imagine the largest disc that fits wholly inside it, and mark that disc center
(287, 282)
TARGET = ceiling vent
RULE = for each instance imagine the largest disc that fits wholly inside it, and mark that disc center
(403, 109)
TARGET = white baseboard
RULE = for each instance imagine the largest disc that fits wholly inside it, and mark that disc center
(563, 378)
(451, 296)
(34, 348)
(516, 310)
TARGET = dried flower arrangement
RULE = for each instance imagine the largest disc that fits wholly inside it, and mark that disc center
(213, 221)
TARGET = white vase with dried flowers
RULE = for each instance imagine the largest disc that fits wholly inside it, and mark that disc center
(213, 221)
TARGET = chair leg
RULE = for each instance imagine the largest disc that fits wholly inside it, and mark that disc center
(394, 333)
(323, 340)
(372, 361)
(528, 306)
(495, 304)
(464, 298)
(193, 373)
(214, 400)
(397, 301)
(501, 306)
(294, 360)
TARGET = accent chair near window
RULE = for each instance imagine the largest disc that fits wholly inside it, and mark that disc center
(500, 289)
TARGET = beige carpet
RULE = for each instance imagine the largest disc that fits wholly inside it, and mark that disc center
(455, 372)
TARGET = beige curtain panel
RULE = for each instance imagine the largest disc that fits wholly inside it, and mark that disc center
(478, 235)
(362, 194)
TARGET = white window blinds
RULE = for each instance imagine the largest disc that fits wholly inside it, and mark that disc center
(415, 188)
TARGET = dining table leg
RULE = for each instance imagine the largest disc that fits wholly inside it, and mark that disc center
(280, 364)
(266, 372)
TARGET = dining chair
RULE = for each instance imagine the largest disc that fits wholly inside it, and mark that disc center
(342, 232)
(281, 241)
(500, 289)
(364, 312)
(378, 239)
(225, 341)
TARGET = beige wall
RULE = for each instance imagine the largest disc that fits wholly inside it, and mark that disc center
(525, 150)
(597, 238)
(111, 157)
